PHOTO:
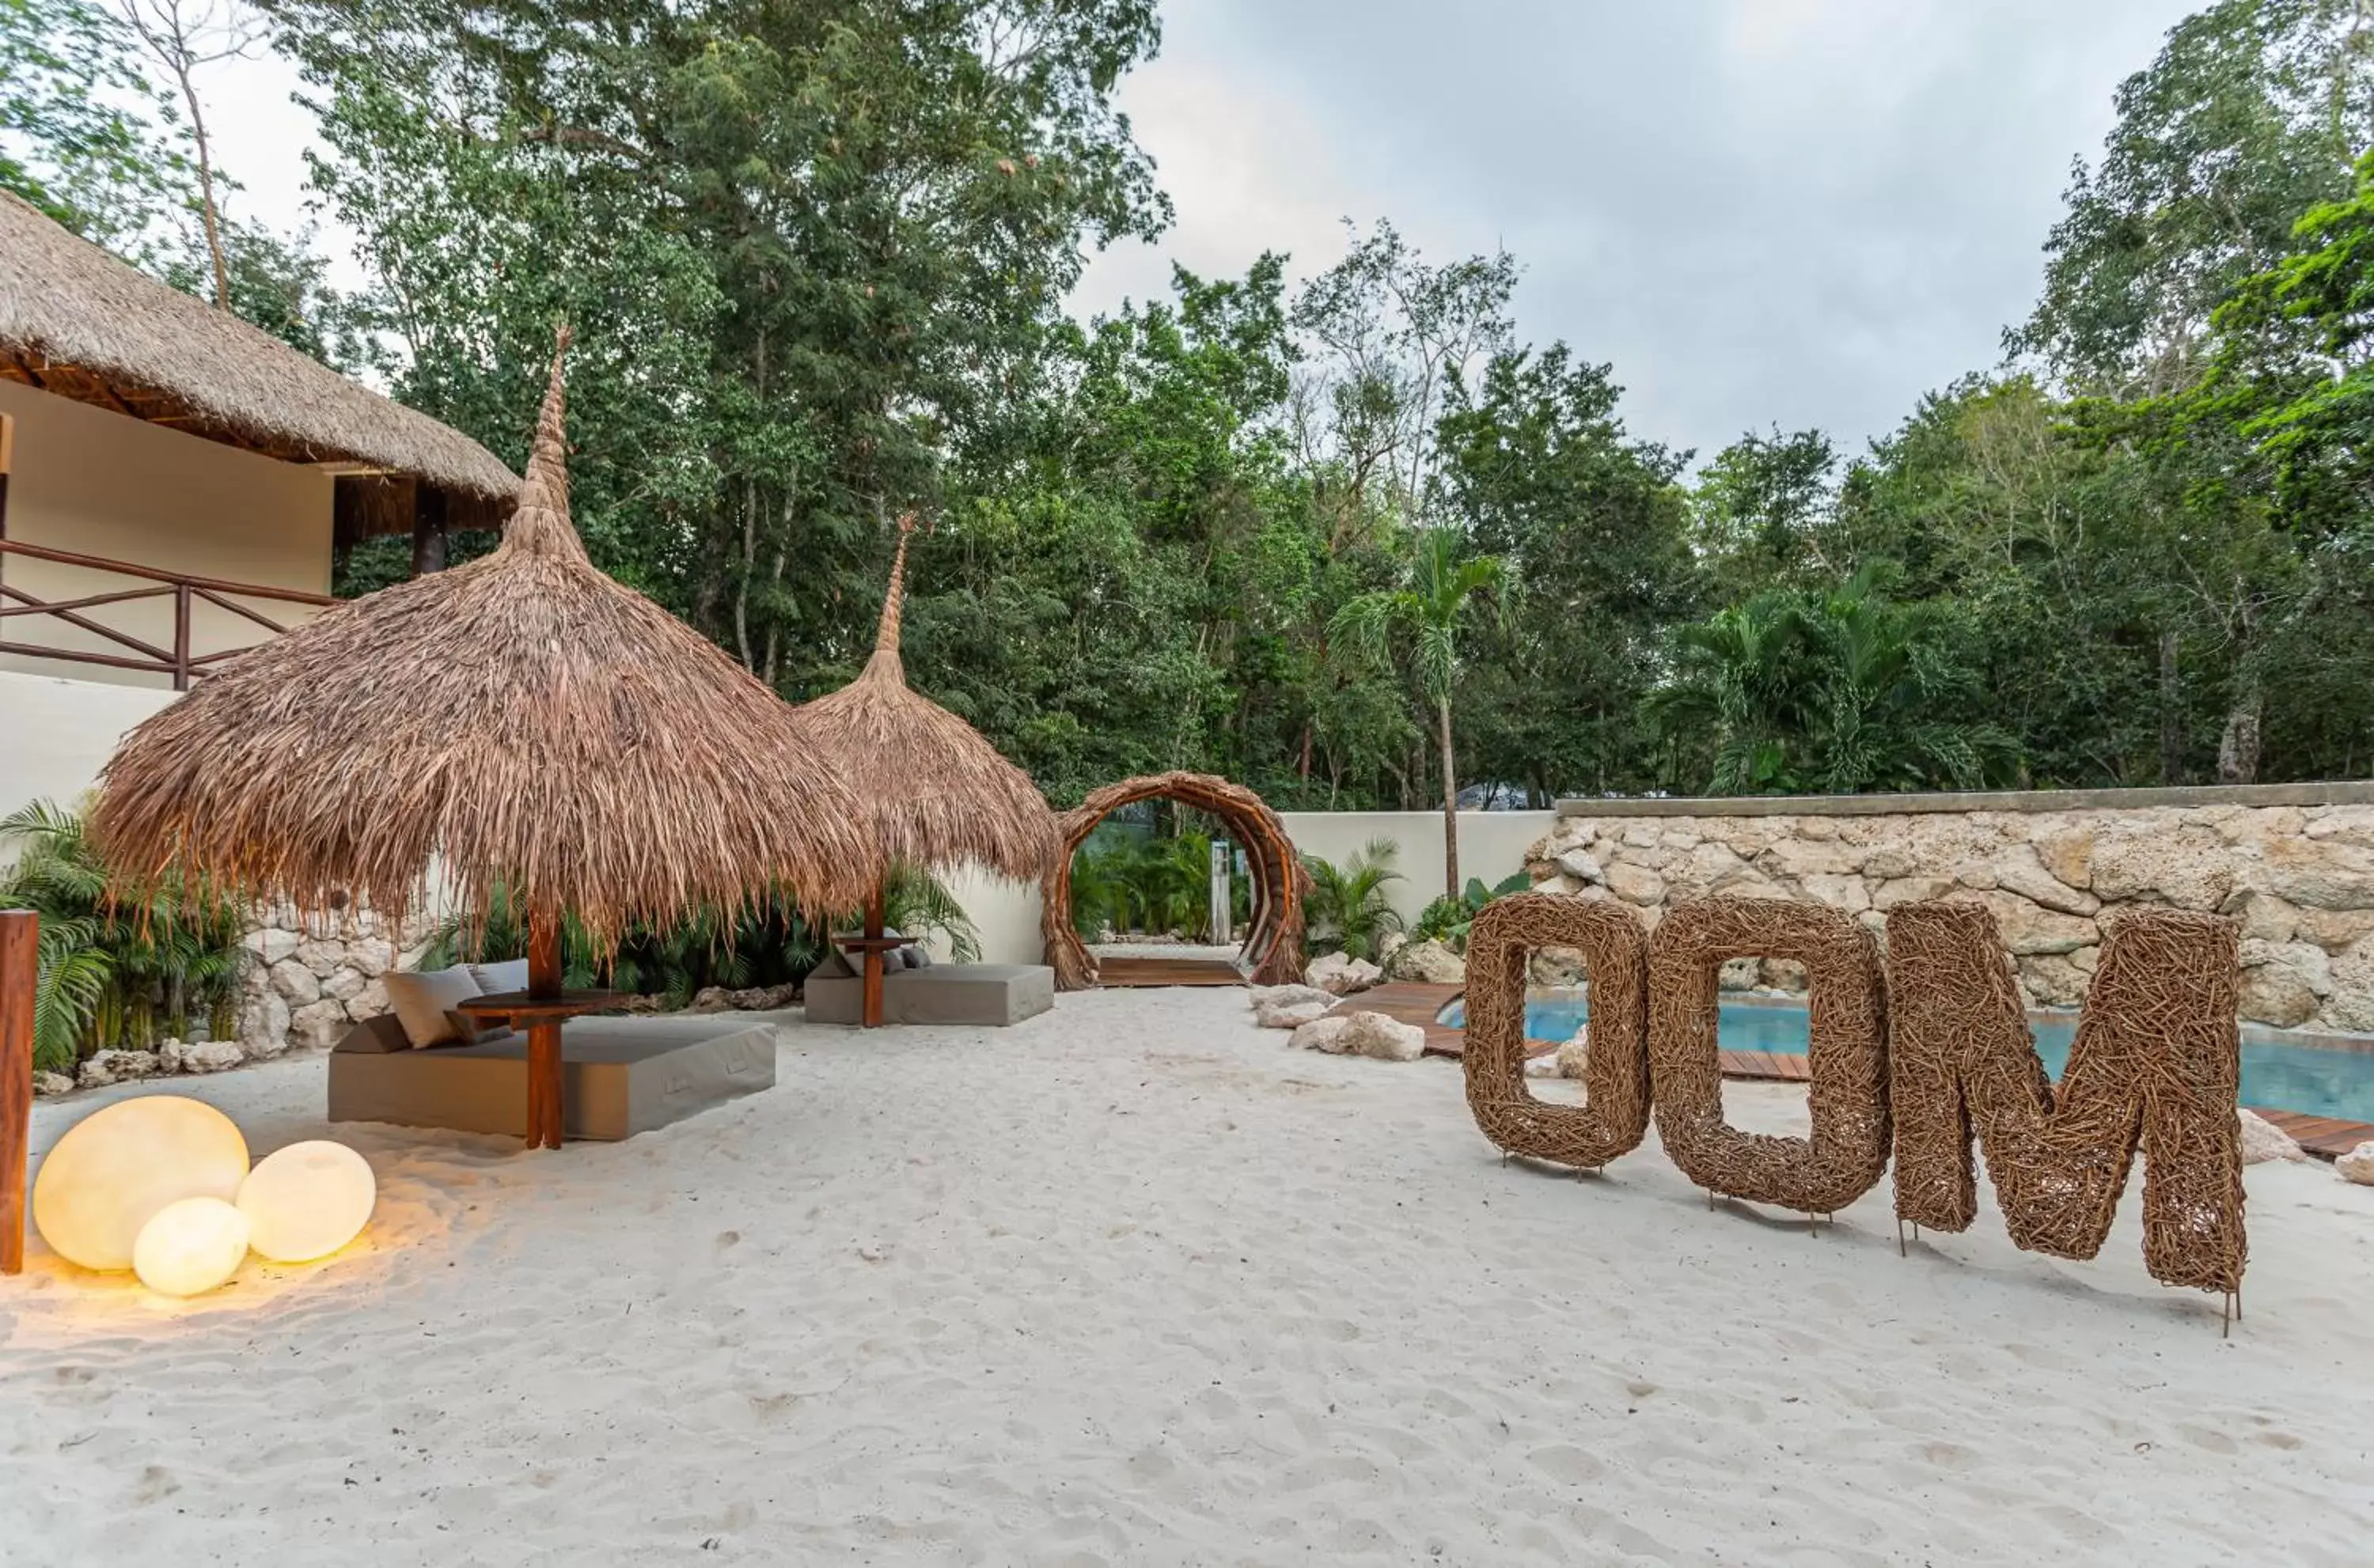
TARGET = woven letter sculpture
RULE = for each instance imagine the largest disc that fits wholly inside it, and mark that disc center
(2157, 1063)
(1614, 1117)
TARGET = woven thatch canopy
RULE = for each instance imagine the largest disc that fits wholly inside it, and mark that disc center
(524, 718)
(80, 323)
(934, 791)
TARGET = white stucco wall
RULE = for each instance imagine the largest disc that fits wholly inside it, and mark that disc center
(56, 735)
(1492, 845)
(99, 483)
(1005, 913)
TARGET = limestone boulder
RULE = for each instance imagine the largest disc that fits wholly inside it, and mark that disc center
(1369, 1035)
(319, 1027)
(2189, 867)
(1740, 974)
(1801, 857)
(324, 958)
(1293, 1015)
(1910, 890)
(1555, 968)
(1635, 883)
(1339, 973)
(2351, 1005)
(1579, 864)
(296, 984)
(2263, 1141)
(2027, 931)
(2017, 870)
(367, 1002)
(2064, 847)
(344, 985)
(1429, 963)
(2051, 980)
(103, 1068)
(271, 945)
(205, 1056)
(263, 1027)
(2318, 874)
(1844, 893)
(2344, 824)
(49, 1085)
(1287, 996)
(371, 956)
(2358, 1165)
(1574, 1056)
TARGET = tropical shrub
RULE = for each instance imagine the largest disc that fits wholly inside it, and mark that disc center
(1349, 912)
(113, 972)
(1447, 919)
(1158, 886)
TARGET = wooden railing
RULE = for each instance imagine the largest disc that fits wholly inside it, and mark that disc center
(179, 661)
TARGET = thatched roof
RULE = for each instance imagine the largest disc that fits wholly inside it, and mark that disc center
(524, 718)
(937, 793)
(76, 321)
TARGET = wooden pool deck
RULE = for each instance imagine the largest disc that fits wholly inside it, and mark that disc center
(2325, 1137)
(1140, 972)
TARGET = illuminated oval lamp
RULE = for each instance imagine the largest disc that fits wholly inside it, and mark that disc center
(307, 1200)
(187, 1248)
(112, 1173)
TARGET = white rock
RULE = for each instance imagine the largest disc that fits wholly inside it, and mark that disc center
(1292, 1015)
(210, 1056)
(324, 958)
(345, 985)
(102, 1068)
(1579, 864)
(1369, 1035)
(371, 956)
(2017, 870)
(1394, 941)
(2262, 1141)
(319, 1027)
(2358, 1165)
(1741, 974)
(369, 1003)
(1573, 1058)
(1543, 1067)
(1635, 885)
(51, 1084)
(1287, 996)
(263, 1028)
(1340, 974)
(299, 985)
(273, 945)
(1429, 963)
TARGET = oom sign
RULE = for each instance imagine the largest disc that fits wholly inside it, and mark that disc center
(1917, 1055)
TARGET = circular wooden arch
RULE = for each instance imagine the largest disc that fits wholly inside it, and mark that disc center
(1273, 953)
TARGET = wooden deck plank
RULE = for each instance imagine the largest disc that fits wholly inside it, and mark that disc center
(1144, 972)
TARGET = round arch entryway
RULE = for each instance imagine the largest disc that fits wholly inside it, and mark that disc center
(1273, 951)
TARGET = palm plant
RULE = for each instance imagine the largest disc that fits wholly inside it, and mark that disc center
(1842, 691)
(1432, 605)
(1349, 912)
(108, 968)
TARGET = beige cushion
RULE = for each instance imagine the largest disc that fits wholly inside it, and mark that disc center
(501, 980)
(834, 966)
(421, 1001)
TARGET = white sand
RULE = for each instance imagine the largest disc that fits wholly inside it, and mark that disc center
(1134, 1283)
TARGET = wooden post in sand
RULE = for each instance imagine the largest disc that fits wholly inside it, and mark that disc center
(19, 944)
(543, 1069)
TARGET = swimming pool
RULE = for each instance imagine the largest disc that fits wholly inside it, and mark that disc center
(2277, 1074)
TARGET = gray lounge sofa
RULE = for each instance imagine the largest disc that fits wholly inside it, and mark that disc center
(992, 994)
(621, 1075)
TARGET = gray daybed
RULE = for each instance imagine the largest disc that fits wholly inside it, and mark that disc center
(924, 992)
(621, 1076)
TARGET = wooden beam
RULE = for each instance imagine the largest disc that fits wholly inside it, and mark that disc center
(544, 1075)
(19, 966)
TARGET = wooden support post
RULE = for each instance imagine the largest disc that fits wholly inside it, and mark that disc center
(543, 1067)
(429, 516)
(19, 946)
(872, 1014)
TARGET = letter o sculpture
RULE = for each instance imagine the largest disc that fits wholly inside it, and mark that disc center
(1614, 1116)
(1848, 1052)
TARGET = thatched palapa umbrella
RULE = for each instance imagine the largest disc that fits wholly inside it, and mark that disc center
(533, 726)
(936, 793)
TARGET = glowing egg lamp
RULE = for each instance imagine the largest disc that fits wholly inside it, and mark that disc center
(307, 1200)
(187, 1248)
(114, 1169)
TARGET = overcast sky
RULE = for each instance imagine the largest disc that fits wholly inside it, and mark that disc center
(1800, 212)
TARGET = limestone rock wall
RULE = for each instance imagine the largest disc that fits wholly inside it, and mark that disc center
(306, 985)
(2300, 879)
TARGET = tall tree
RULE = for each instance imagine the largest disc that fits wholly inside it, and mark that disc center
(1432, 607)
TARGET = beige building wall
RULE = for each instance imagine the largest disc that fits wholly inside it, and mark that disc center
(56, 734)
(99, 483)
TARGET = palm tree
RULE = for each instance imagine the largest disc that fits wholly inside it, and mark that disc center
(1433, 605)
(1350, 911)
(1840, 692)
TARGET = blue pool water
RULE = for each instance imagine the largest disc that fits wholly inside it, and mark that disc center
(2277, 1075)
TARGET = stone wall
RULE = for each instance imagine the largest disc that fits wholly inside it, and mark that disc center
(306, 985)
(2301, 878)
